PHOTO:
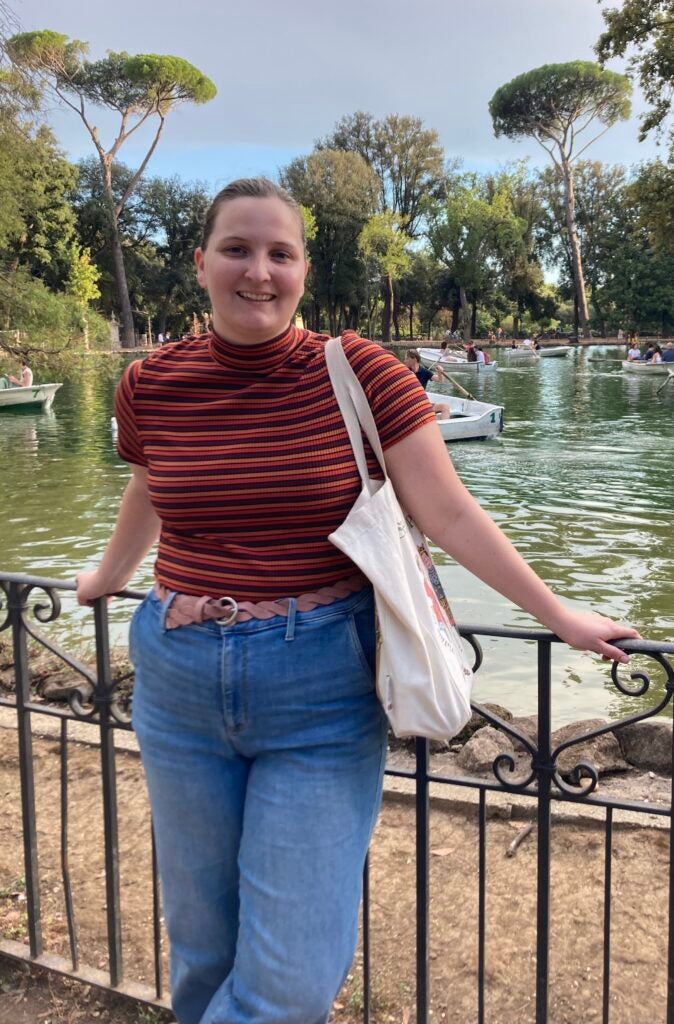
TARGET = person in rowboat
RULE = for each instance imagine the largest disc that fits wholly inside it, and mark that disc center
(668, 354)
(424, 376)
(634, 353)
(260, 731)
(25, 380)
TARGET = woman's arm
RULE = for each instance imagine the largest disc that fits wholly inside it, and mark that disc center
(135, 532)
(429, 488)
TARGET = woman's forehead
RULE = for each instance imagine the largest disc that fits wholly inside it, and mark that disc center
(267, 216)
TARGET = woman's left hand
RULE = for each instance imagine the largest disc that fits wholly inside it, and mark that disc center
(589, 631)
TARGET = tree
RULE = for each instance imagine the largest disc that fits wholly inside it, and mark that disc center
(82, 283)
(174, 212)
(406, 157)
(383, 247)
(339, 190)
(141, 89)
(646, 28)
(469, 233)
(555, 104)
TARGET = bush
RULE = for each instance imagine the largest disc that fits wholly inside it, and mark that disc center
(46, 322)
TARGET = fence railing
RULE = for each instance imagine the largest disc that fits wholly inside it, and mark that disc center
(29, 603)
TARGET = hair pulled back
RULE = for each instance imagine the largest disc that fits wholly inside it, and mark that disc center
(249, 188)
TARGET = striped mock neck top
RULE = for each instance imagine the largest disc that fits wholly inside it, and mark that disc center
(249, 462)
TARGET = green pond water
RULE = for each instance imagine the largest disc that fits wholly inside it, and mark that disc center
(581, 480)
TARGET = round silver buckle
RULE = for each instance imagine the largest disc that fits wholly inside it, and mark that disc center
(230, 617)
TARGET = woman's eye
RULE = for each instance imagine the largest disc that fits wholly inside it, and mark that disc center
(281, 255)
(234, 250)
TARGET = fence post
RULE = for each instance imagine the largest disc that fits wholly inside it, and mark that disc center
(16, 607)
(544, 768)
(103, 698)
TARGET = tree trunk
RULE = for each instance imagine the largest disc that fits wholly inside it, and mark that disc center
(411, 322)
(465, 309)
(388, 310)
(473, 319)
(578, 280)
(455, 316)
(516, 324)
(126, 330)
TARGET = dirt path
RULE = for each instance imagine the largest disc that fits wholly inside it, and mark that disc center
(639, 929)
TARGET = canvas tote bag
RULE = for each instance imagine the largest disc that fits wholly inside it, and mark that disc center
(424, 677)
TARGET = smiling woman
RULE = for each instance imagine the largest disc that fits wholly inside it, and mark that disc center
(252, 262)
(255, 705)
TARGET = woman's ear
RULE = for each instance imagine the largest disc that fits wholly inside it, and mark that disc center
(199, 261)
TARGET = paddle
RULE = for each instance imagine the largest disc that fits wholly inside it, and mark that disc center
(457, 385)
(670, 378)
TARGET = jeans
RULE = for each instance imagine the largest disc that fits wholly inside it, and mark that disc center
(263, 745)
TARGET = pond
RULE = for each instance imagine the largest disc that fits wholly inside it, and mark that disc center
(581, 480)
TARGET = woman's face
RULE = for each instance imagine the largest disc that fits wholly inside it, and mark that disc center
(253, 268)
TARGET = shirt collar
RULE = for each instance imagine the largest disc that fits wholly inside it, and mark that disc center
(263, 356)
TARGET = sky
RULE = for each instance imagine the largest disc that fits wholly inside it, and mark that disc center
(287, 72)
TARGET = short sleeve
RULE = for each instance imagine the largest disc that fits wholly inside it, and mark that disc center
(399, 403)
(129, 445)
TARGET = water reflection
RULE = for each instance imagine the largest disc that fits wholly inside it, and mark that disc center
(580, 479)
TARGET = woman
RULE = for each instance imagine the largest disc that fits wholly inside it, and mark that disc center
(262, 739)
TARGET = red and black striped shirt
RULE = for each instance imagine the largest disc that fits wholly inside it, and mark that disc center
(250, 465)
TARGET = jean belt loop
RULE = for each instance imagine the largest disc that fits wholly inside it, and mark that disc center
(168, 601)
(292, 611)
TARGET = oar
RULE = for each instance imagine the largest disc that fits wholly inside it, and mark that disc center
(458, 386)
(670, 378)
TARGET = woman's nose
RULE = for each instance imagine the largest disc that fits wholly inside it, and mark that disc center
(258, 268)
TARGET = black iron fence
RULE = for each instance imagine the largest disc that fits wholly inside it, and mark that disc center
(29, 603)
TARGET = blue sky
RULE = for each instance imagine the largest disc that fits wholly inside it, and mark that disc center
(285, 73)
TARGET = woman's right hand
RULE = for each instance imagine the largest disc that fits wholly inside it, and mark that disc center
(90, 585)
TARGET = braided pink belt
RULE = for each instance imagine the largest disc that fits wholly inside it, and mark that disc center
(186, 608)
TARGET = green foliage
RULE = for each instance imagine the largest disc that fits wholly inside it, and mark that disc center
(645, 28)
(45, 50)
(120, 81)
(172, 79)
(340, 191)
(83, 276)
(406, 157)
(49, 324)
(556, 102)
(384, 247)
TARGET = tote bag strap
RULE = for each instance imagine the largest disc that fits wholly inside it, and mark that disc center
(354, 407)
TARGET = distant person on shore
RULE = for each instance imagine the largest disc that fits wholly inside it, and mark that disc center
(25, 380)
(160, 338)
(668, 354)
(620, 334)
(634, 353)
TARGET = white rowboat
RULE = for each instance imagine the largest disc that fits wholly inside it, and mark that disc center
(36, 396)
(453, 363)
(646, 369)
(470, 421)
(553, 352)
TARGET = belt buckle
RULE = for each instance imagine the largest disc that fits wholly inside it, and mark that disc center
(230, 617)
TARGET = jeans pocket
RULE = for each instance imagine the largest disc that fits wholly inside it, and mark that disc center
(363, 636)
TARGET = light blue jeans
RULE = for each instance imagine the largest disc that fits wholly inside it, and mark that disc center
(263, 745)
